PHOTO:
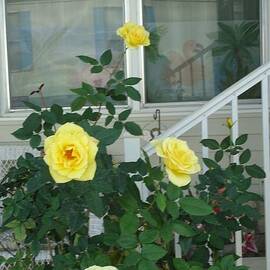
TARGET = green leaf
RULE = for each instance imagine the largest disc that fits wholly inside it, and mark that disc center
(88, 60)
(148, 236)
(173, 209)
(108, 120)
(35, 141)
(110, 107)
(255, 171)
(20, 232)
(123, 116)
(22, 134)
(245, 156)
(119, 75)
(132, 81)
(106, 58)
(88, 87)
(49, 117)
(195, 207)
(241, 139)
(106, 136)
(180, 264)
(133, 128)
(95, 204)
(219, 155)
(153, 252)
(32, 122)
(210, 143)
(184, 229)
(78, 103)
(57, 110)
(127, 241)
(161, 201)
(173, 192)
(147, 265)
(80, 91)
(129, 223)
(211, 164)
(32, 106)
(226, 143)
(133, 93)
(216, 242)
(132, 259)
(97, 69)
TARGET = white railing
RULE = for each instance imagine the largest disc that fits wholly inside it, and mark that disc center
(201, 116)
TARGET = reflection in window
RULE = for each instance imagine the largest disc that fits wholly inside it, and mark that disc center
(202, 47)
(44, 38)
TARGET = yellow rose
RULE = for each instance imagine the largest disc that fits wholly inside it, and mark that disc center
(134, 35)
(229, 122)
(179, 160)
(70, 154)
(101, 268)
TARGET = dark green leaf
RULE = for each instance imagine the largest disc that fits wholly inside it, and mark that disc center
(153, 252)
(245, 156)
(210, 143)
(96, 69)
(127, 241)
(123, 116)
(110, 107)
(133, 128)
(32, 122)
(195, 207)
(119, 75)
(35, 141)
(180, 264)
(129, 223)
(108, 120)
(133, 93)
(226, 143)
(32, 106)
(211, 164)
(132, 259)
(88, 60)
(184, 229)
(173, 192)
(22, 134)
(219, 155)
(49, 117)
(78, 103)
(241, 139)
(148, 236)
(106, 58)
(255, 171)
(132, 81)
(161, 201)
(147, 265)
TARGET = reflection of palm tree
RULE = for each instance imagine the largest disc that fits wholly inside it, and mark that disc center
(236, 44)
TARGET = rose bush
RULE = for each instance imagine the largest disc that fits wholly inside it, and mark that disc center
(44, 210)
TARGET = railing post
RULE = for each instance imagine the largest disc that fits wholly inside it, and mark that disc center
(235, 134)
(205, 150)
(266, 157)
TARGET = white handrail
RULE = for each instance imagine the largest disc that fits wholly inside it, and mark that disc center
(214, 104)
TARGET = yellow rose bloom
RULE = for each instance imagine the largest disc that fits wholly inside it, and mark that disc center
(70, 154)
(134, 35)
(179, 160)
(95, 267)
(229, 122)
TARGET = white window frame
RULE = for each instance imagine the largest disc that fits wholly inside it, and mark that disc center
(134, 67)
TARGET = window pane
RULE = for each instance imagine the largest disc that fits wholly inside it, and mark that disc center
(44, 38)
(204, 46)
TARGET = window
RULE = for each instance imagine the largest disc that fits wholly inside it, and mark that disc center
(200, 46)
(204, 46)
(44, 36)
